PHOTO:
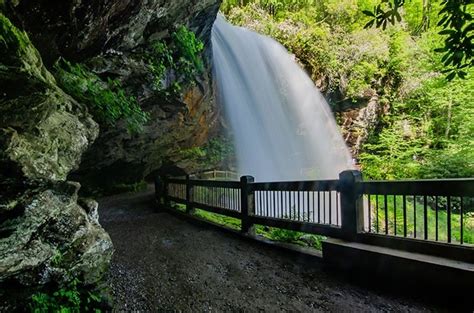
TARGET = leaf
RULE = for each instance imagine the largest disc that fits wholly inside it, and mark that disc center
(398, 16)
(370, 24)
(443, 19)
(451, 76)
(447, 32)
(368, 13)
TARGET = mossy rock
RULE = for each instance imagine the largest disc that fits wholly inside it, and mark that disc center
(44, 131)
(48, 222)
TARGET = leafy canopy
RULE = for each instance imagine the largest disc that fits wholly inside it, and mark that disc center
(457, 25)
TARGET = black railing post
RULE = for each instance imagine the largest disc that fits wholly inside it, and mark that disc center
(352, 215)
(166, 199)
(189, 196)
(159, 192)
(247, 204)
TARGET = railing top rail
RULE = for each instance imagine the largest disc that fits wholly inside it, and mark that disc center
(176, 180)
(214, 173)
(215, 183)
(445, 187)
(306, 185)
(205, 183)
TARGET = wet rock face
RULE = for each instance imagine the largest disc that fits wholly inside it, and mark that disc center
(111, 38)
(45, 235)
(78, 30)
(357, 123)
(43, 131)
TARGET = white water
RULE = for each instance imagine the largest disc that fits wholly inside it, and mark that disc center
(282, 126)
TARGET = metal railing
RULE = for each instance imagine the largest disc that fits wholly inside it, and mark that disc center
(426, 216)
(215, 175)
(438, 210)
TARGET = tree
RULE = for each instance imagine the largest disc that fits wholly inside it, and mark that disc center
(457, 27)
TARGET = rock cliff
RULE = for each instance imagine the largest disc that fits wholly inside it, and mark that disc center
(49, 138)
(45, 233)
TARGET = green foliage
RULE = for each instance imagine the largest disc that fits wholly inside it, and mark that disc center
(457, 26)
(122, 188)
(291, 236)
(415, 218)
(68, 298)
(210, 155)
(428, 135)
(71, 296)
(272, 233)
(107, 101)
(218, 149)
(11, 39)
(427, 127)
(183, 56)
(338, 54)
(188, 49)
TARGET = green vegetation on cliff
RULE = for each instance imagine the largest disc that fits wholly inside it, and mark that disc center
(213, 154)
(107, 101)
(11, 39)
(426, 129)
(182, 55)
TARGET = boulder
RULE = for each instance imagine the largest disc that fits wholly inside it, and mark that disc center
(48, 237)
(45, 236)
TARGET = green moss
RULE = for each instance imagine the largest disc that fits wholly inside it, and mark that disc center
(223, 220)
(12, 40)
(107, 101)
(21, 69)
(182, 55)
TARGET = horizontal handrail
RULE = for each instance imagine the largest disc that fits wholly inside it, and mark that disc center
(308, 185)
(441, 187)
(214, 183)
(176, 180)
(407, 215)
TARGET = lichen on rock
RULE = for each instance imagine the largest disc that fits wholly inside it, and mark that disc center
(49, 221)
(44, 131)
(48, 136)
(43, 134)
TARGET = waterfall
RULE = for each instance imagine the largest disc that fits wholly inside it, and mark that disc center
(283, 128)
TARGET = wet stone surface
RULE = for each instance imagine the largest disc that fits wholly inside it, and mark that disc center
(162, 263)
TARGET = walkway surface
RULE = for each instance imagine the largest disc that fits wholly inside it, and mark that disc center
(162, 263)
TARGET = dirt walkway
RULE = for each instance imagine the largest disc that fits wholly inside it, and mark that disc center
(162, 263)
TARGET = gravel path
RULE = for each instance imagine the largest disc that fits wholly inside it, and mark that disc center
(162, 263)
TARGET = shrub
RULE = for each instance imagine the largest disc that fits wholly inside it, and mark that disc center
(107, 101)
(214, 152)
(68, 298)
(182, 56)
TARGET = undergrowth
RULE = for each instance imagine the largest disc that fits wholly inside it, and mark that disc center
(272, 233)
(69, 298)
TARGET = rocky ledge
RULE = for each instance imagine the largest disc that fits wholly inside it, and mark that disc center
(50, 138)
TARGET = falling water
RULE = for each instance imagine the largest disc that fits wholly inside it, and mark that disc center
(282, 126)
